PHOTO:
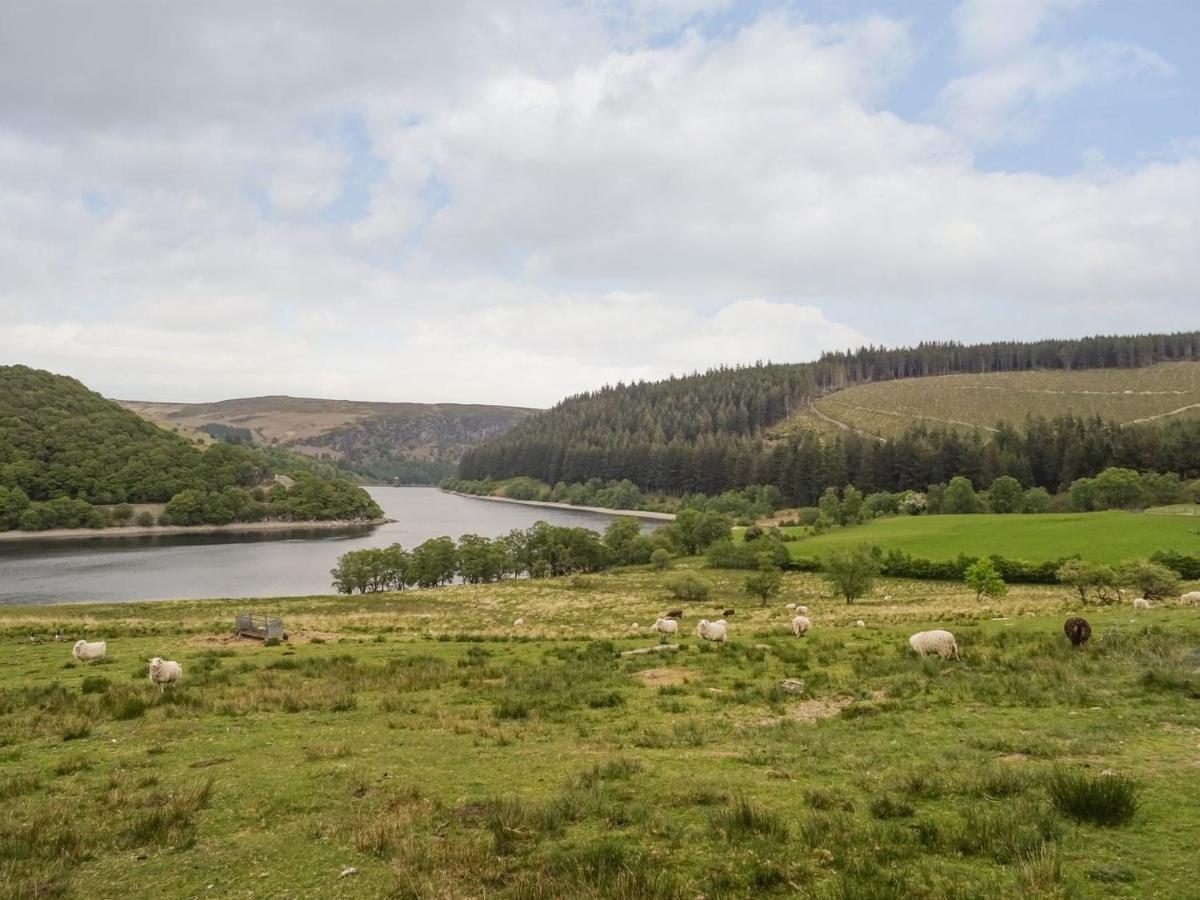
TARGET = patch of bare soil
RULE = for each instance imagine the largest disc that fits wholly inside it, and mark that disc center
(661, 677)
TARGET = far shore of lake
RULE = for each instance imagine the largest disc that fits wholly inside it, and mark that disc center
(638, 513)
(56, 534)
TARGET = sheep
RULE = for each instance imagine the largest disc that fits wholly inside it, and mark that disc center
(800, 626)
(674, 614)
(940, 642)
(1077, 631)
(802, 610)
(517, 623)
(1141, 603)
(86, 651)
(712, 631)
(164, 672)
(860, 624)
(635, 627)
(1190, 597)
(887, 598)
(666, 626)
(789, 606)
(728, 612)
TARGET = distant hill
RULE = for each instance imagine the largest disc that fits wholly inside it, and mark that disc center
(883, 419)
(67, 453)
(980, 402)
(412, 442)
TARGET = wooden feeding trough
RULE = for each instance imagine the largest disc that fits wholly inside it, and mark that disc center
(260, 628)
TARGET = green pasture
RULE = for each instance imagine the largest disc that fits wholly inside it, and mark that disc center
(1106, 537)
(429, 747)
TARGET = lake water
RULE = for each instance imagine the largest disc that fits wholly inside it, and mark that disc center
(282, 564)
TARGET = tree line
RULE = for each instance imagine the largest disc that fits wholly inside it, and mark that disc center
(707, 433)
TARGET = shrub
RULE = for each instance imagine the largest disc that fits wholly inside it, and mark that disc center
(1155, 581)
(688, 588)
(660, 559)
(1101, 799)
(981, 577)
(1182, 564)
(851, 573)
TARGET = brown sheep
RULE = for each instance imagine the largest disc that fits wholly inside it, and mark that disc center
(1077, 630)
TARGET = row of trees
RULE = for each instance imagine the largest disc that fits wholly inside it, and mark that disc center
(705, 433)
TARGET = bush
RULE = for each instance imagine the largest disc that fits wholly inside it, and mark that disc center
(1180, 563)
(660, 559)
(688, 588)
(1155, 581)
(981, 577)
(1101, 799)
(145, 519)
(851, 573)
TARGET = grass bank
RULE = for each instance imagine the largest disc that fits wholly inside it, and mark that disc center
(426, 742)
(1106, 537)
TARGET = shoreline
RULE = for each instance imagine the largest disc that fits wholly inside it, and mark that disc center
(636, 513)
(120, 531)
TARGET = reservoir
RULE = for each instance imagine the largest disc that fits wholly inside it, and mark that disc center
(271, 564)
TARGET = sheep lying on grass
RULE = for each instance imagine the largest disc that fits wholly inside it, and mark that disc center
(517, 623)
(860, 624)
(938, 641)
(86, 651)
(1077, 630)
(164, 672)
(666, 626)
(800, 626)
(1141, 603)
(712, 631)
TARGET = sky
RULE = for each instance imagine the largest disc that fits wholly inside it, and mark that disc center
(511, 202)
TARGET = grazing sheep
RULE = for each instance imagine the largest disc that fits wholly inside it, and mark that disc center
(1141, 603)
(728, 612)
(1190, 597)
(86, 651)
(940, 642)
(164, 672)
(666, 626)
(517, 623)
(635, 627)
(674, 614)
(860, 624)
(887, 598)
(789, 606)
(800, 626)
(1077, 631)
(712, 631)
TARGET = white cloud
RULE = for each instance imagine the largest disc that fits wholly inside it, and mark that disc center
(550, 204)
(995, 30)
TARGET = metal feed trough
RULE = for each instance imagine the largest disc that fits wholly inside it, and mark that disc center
(259, 627)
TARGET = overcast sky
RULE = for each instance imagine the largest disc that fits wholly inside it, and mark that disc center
(509, 202)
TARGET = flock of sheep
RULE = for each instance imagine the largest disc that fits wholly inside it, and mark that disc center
(923, 643)
(162, 671)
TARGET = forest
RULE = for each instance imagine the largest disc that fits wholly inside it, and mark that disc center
(69, 458)
(706, 433)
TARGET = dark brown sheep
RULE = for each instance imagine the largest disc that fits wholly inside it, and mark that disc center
(1077, 630)
(674, 614)
(728, 612)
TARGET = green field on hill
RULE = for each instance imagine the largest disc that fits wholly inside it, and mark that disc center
(1106, 537)
(423, 745)
(887, 408)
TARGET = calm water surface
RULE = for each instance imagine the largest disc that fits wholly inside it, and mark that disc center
(249, 565)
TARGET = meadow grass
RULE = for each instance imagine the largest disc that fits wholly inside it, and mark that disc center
(422, 740)
(1106, 537)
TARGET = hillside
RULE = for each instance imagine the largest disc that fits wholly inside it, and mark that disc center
(783, 425)
(66, 451)
(888, 408)
(409, 441)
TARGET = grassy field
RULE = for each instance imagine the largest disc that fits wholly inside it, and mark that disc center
(981, 401)
(424, 741)
(1107, 537)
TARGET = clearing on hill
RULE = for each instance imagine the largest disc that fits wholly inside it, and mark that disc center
(887, 408)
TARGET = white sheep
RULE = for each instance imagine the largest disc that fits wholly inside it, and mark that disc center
(666, 626)
(802, 610)
(860, 624)
(635, 627)
(789, 606)
(1141, 603)
(712, 631)
(887, 597)
(800, 626)
(1190, 597)
(940, 642)
(517, 623)
(164, 672)
(86, 651)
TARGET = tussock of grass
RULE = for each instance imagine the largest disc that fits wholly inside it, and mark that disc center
(168, 820)
(743, 818)
(1108, 800)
